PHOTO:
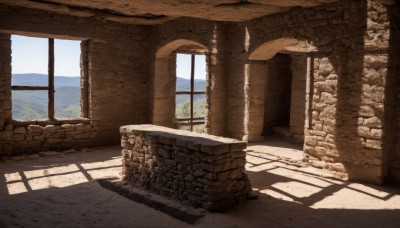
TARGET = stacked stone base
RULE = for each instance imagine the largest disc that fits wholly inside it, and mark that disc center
(202, 170)
(33, 136)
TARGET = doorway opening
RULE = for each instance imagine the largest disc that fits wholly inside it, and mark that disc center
(285, 97)
(279, 97)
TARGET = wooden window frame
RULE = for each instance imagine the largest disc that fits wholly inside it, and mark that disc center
(191, 121)
(50, 87)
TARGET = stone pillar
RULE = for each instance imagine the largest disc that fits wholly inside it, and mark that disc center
(84, 64)
(255, 96)
(5, 94)
(5, 79)
(377, 110)
(236, 60)
(215, 112)
(164, 92)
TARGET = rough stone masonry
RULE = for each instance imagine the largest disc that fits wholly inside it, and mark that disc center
(351, 111)
(202, 170)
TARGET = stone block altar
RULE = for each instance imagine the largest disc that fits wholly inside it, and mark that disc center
(202, 170)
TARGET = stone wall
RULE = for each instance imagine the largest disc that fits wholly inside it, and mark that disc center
(349, 110)
(320, 141)
(202, 170)
(354, 80)
(349, 79)
(118, 81)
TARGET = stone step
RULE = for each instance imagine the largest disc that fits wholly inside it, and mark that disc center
(172, 208)
(282, 131)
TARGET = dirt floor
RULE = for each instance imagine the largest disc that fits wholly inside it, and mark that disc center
(61, 191)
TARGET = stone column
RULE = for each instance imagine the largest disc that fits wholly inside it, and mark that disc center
(164, 92)
(236, 60)
(5, 94)
(216, 85)
(376, 110)
(255, 95)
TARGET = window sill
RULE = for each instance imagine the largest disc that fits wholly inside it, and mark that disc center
(45, 122)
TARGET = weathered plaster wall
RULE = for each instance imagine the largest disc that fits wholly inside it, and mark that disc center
(118, 79)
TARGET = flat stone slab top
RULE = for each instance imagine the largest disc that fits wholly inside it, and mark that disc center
(193, 140)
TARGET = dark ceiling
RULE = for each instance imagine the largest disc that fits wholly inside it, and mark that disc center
(159, 11)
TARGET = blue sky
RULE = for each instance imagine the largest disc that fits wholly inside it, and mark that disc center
(183, 62)
(30, 55)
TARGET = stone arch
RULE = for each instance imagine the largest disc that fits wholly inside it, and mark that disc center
(163, 108)
(255, 82)
(166, 50)
(269, 49)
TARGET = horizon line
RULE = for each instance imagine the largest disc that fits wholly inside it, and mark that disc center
(80, 76)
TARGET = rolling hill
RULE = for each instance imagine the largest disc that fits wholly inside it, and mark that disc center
(41, 80)
(33, 104)
(183, 84)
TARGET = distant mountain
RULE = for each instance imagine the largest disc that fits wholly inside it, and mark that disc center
(183, 84)
(42, 80)
(29, 104)
(33, 104)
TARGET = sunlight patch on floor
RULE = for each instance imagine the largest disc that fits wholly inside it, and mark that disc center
(293, 174)
(59, 181)
(296, 189)
(37, 177)
(12, 177)
(270, 173)
(50, 171)
(16, 188)
(346, 198)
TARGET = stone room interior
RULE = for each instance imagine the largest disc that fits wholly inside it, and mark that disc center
(224, 113)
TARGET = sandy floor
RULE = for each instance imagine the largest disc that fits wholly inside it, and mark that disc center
(60, 191)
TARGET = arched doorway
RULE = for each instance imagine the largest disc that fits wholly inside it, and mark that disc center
(277, 90)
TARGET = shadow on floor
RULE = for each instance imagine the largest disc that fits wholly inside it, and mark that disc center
(61, 193)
